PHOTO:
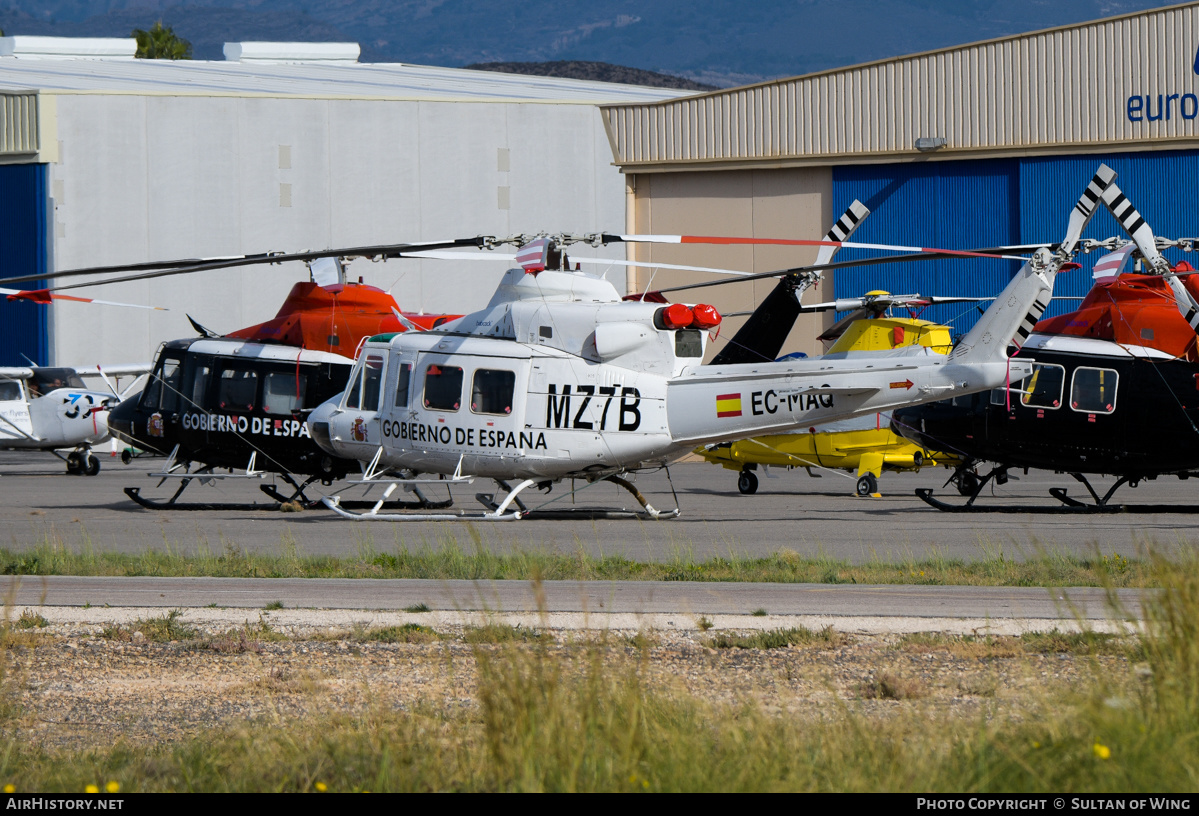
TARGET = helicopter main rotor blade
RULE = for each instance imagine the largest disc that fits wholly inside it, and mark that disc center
(161, 268)
(888, 259)
(763, 335)
(45, 296)
(449, 255)
(713, 239)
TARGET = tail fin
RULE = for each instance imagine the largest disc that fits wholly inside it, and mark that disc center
(1011, 318)
(762, 336)
(844, 227)
(1142, 235)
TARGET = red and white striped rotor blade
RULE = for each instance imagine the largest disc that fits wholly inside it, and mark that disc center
(44, 296)
(727, 241)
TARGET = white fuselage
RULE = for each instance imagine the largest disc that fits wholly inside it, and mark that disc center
(561, 414)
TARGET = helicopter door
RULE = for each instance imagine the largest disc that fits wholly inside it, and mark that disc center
(14, 411)
(495, 409)
(357, 425)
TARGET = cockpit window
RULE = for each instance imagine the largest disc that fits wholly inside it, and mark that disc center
(9, 390)
(1043, 388)
(366, 384)
(354, 389)
(492, 392)
(45, 380)
(283, 393)
(687, 343)
(163, 391)
(1094, 390)
(372, 382)
(237, 390)
(443, 387)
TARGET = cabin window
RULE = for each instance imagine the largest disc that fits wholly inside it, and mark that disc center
(163, 391)
(492, 392)
(9, 390)
(443, 387)
(1094, 390)
(687, 343)
(1043, 388)
(237, 390)
(998, 396)
(283, 392)
(403, 378)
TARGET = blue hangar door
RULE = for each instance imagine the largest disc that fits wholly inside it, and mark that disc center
(975, 204)
(24, 204)
(952, 205)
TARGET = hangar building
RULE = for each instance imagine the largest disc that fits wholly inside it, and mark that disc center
(975, 146)
(105, 159)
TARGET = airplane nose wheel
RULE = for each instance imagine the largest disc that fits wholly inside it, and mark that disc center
(867, 485)
(82, 463)
(747, 482)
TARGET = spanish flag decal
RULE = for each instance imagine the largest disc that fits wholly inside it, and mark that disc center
(728, 405)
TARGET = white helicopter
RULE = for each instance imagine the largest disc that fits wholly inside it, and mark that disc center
(51, 409)
(559, 378)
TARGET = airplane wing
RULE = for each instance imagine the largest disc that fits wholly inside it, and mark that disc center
(114, 370)
(15, 372)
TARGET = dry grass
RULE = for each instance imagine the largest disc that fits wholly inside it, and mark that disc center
(826, 638)
(891, 686)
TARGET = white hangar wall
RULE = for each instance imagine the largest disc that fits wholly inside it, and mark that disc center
(143, 177)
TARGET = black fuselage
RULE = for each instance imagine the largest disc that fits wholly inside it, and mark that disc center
(1121, 414)
(222, 401)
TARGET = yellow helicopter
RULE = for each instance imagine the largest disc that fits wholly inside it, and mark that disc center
(865, 444)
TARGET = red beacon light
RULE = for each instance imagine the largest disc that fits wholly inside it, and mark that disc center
(674, 316)
(706, 317)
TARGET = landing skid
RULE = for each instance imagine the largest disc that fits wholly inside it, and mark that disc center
(499, 510)
(1068, 504)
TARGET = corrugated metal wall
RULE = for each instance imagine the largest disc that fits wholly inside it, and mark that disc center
(23, 236)
(1068, 86)
(949, 204)
(963, 205)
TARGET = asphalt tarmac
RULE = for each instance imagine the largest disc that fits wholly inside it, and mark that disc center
(813, 516)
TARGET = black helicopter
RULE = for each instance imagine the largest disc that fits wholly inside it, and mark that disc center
(238, 402)
(1113, 390)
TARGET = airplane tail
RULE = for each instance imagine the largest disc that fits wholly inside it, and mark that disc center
(761, 337)
(1015, 312)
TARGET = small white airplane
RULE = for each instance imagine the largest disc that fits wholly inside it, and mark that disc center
(51, 409)
(559, 378)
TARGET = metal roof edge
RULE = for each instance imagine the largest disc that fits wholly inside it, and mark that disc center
(482, 100)
(905, 157)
